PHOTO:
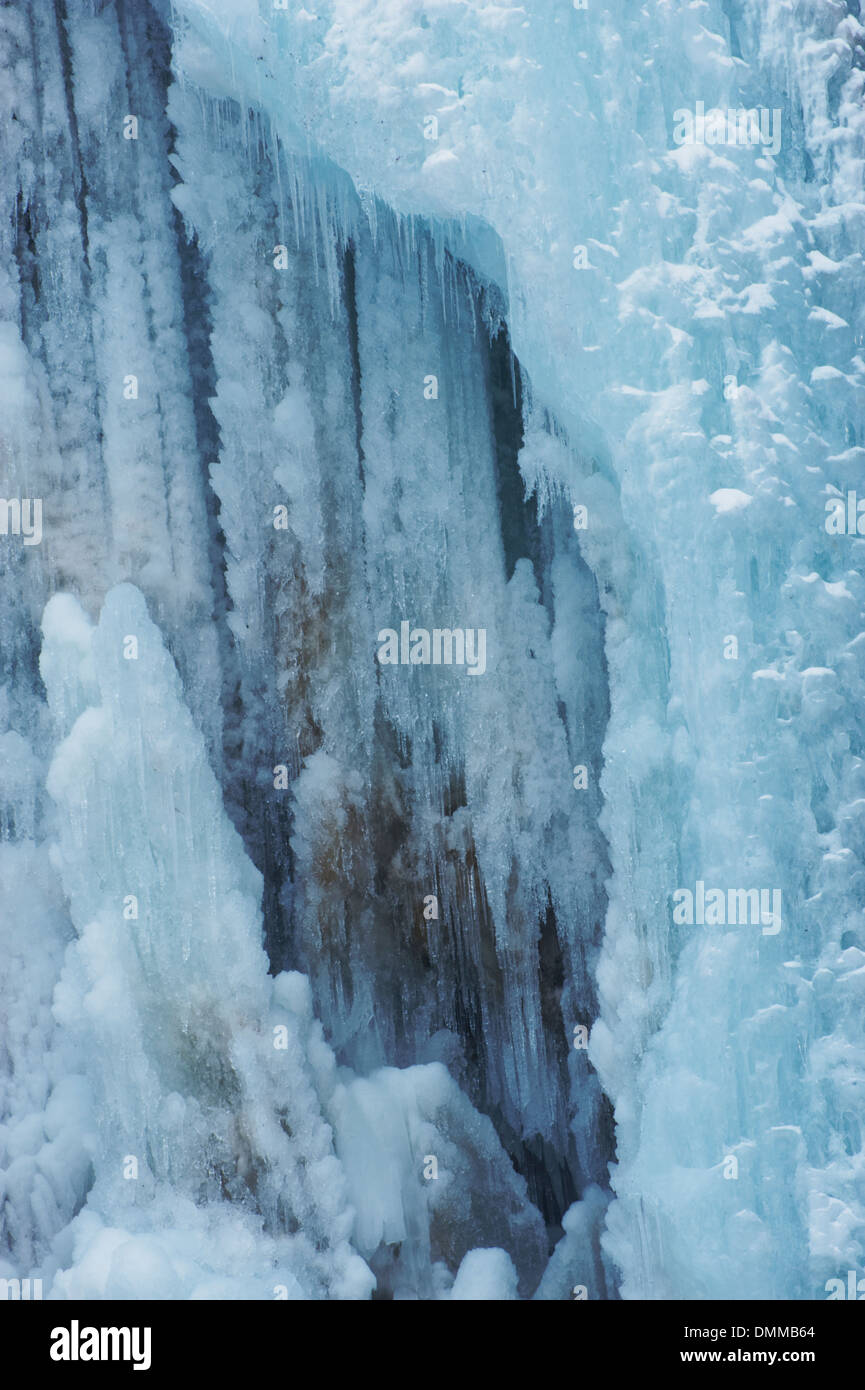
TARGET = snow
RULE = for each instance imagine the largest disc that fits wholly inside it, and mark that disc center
(729, 499)
(485, 1275)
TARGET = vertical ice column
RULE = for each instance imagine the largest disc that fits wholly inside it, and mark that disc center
(206, 1073)
(287, 475)
(102, 319)
(44, 1168)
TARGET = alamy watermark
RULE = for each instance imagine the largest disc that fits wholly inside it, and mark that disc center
(20, 1290)
(852, 1291)
(735, 907)
(444, 646)
(845, 517)
(76, 1343)
(22, 516)
(735, 126)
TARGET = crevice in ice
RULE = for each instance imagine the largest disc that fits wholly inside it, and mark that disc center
(78, 174)
(197, 330)
(519, 514)
(348, 274)
(732, 12)
(28, 267)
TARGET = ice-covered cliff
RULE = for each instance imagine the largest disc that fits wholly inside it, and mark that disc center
(321, 321)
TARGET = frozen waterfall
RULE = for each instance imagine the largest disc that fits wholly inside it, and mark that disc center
(432, 759)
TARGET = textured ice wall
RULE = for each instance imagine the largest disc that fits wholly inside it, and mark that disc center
(709, 350)
(705, 376)
(405, 518)
(91, 296)
(193, 1099)
(167, 394)
(215, 1174)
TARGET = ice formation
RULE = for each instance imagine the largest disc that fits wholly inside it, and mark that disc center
(318, 321)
